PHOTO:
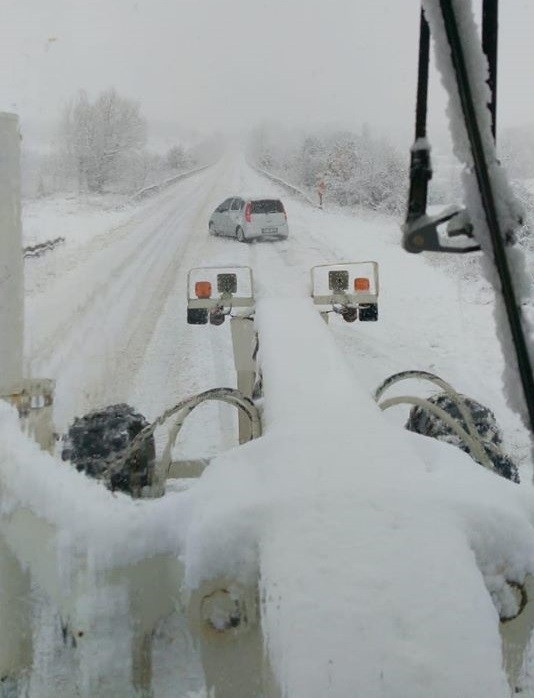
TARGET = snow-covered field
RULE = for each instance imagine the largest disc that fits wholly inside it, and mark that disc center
(378, 551)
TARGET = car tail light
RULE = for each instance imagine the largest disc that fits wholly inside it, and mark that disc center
(361, 283)
(283, 210)
(248, 212)
(203, 289)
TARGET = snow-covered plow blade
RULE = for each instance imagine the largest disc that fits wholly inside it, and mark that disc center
(115, 445)
(112, 569)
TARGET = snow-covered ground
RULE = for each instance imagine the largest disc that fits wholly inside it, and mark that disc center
(377, 550)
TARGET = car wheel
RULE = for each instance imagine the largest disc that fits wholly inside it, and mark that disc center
(212, 229)
(240, 235)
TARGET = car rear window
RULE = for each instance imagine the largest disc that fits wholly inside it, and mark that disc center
(267, 206)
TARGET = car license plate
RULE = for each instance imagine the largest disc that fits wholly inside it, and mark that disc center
(269, 230)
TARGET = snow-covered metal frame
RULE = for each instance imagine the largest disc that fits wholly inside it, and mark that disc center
(469, 436)
(165, 465)
(244, 337)
(224, 299)
(345, 297)
(222, 615)
(516, 630)
(32, 397)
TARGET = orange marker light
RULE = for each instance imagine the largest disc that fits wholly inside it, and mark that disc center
(361, 283)
(203, 289)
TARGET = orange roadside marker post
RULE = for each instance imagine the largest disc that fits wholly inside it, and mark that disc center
(321, 187)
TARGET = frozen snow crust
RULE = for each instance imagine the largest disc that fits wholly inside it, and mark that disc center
(362, 534)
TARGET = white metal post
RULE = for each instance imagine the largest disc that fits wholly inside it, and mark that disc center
(16, 652)
(244, 343)
(11, 261)
(33, 398)
(15, 635)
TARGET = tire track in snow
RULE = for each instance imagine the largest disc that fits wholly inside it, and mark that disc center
(185, 359)
(95, 352)
(107, 276)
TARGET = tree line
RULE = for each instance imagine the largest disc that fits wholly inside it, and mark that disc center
(356, 169)
(361, 169)
(100, 147)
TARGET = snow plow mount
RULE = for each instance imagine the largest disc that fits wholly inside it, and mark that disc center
(165, 466)
(33, 399)
(451, 417)
(454, 418)
(214, 292)
(349, 289)
(424, 233)
(133, 467)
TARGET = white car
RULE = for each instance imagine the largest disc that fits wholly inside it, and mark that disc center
(250, 219)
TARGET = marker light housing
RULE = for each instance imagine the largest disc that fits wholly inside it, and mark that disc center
(349, 289)
(203, 289)
(361, 283)
(215, 292)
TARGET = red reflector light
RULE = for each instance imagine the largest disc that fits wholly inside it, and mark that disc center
(361, 283)
(248, 212)
(203, 289)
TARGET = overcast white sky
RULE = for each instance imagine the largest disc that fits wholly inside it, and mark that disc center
(218, 64)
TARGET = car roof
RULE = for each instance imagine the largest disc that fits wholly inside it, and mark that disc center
(261, 197)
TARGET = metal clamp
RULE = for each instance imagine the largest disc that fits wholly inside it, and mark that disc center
(421, 234)
(33, 398)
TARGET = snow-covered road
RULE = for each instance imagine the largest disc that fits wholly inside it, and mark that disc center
(105, 316)
(91, 324)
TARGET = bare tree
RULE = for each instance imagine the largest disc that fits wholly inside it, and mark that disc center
(100, 138)
(176, 158)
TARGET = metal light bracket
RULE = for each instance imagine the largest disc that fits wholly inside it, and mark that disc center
(333, 286)
(233, 288)
(237, 292)
(422, 234)
(33, 398)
